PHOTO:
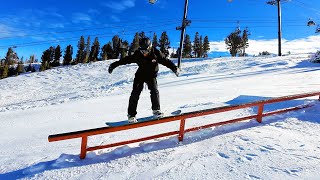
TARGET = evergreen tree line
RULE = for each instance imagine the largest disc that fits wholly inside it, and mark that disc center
(198, 49)
(116, 48)
(11, 65)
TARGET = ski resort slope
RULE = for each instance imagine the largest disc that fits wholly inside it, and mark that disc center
(85, 96)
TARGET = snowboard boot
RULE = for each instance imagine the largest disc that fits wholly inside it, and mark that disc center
(132, 119)
(157, 113)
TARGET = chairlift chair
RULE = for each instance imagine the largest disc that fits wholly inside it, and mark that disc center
(311, 23)
(152, 1)
(318, 29)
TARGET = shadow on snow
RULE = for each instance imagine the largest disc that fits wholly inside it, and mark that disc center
(69, 161)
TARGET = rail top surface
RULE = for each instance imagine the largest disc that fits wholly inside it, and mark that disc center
(107, 129)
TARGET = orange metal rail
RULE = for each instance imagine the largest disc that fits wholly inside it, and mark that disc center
(84, 134)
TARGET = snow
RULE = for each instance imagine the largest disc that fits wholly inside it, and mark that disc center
(286, 146)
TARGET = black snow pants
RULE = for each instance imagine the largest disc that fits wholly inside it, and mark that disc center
(136, 91)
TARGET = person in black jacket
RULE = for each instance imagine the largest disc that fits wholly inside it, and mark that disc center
(148, 59)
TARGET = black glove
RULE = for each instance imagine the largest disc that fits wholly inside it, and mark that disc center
(111, 67)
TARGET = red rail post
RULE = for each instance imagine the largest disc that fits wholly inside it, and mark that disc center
(181, 132)
(260, 111)
(83, 152)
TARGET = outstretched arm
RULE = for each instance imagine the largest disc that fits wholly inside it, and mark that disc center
(126, 60)
(167, 62)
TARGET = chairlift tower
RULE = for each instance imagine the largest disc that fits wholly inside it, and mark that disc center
(278, 2)
(185, 23)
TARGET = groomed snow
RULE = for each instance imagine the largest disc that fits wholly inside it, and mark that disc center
(287, 146)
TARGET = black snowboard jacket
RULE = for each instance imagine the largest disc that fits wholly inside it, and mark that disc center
(148, 62)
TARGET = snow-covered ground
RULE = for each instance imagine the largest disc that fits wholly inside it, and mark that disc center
(286, 146)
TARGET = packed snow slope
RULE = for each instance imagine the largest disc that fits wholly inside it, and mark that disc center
(85, 96)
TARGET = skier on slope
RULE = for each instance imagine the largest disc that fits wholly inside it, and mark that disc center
(148, 59)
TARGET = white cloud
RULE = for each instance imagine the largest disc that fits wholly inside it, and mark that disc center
(121, 5)
(80, 17)
(55, 14)
(56, 25)
(8, 31)
(115, 18)
(302, 45)
(93, 11)
(217, 46)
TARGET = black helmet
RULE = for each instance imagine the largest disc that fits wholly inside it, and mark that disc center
(144, 43)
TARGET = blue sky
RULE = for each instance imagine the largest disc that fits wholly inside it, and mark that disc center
(33, 25)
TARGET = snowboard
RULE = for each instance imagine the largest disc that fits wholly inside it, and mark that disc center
(148, 118)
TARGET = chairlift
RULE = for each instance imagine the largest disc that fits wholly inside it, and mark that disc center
(152, 1)
(318, 29)
(273, 2)
(311, 23)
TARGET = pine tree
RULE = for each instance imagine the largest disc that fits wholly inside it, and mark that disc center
(124, 49)
(164, 44)
(20, 68)
(57, 56)
(172, 55)
(4, 69)
(51, 60)
(200, 53)
(116, 44)
(135, 44)
(80, 53)
(45, 60)
(32, 59)
(11, 57)
(87, 50)
(245, 44)
(142, 35)
(67, 58)
(237, 43)
(94, 50)
(97, 49)
(196, 45)
(30, 68)
(106, 51)
(155, 40)
(206, 46)
(12, 71)
(234, 42)
(187, 47)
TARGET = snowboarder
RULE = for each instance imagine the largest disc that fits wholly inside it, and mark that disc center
(147, 58)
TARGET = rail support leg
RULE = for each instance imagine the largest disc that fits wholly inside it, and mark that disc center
(83, 152)
(260, 111)
(181, 133)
